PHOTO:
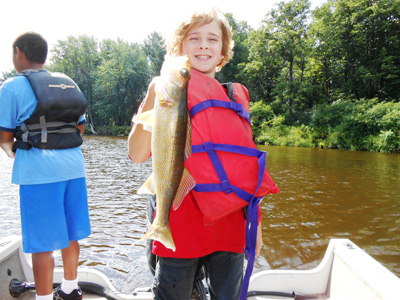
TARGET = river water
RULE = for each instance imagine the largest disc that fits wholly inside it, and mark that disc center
(324, 194)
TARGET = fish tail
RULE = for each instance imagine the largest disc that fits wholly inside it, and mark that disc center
(161, 234)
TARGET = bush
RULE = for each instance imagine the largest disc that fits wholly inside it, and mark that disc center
(386, 141)
(260, 113)
(355, 125)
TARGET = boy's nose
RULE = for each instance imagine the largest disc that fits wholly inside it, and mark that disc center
(203, 45)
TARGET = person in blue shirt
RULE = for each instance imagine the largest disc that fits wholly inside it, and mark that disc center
(53, 194)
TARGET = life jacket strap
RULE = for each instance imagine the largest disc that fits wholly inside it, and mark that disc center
(25, 134)
(225, 186)
(24, 131)
(232, 105)
(43, 138)
(62, 130)
(209, 146)
(219, 187)
(50, 126)
(230, 90)
(250, 245)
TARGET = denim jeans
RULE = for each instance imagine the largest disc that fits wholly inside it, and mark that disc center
(174, 277)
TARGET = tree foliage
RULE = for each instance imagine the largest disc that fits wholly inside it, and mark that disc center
(319, 70)
(231, 71)
(155, 51)
(328, 77)
(112, 74)
(121, 80)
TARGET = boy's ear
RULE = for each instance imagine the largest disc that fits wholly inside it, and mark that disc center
(20, 54)
(221, 60)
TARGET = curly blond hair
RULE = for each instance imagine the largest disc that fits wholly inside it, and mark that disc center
(174, 45)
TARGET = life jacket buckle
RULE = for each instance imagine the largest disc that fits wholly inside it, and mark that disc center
(226, 186)
(208, 147)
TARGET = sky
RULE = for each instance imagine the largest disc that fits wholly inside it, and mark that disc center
(130, 20)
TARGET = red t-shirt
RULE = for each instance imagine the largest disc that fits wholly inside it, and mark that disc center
(195, 239)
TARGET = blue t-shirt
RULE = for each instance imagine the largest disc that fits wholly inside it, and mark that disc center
(35, 166)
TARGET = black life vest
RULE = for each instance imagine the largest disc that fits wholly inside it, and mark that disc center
(54, 122)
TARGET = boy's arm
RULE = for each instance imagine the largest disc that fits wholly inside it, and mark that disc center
(259, 242)
(6, 142)
(139, 140)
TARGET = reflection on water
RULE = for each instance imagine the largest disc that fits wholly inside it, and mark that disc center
(331, 194)
(324, 194)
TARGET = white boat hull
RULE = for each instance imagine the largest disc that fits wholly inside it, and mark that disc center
(345, 272)
(14, 263)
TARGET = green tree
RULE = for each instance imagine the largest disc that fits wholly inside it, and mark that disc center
(155, 51)
(78, 58)
(376, 34)
(231, 71)
(278, 54)
(289, 27)
(262, 69)
(357, 47)
(121, 81)
(320, 70)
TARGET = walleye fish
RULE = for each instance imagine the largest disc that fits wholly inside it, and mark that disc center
(169, 123)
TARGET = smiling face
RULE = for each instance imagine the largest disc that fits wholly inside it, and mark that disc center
(203, 46)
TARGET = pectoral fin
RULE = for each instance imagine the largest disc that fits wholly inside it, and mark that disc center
(148, 187)
(186, 185)
(146, 119)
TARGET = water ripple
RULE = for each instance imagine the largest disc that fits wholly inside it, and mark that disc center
(324, 194)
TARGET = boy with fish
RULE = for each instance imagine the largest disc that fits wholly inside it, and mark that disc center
(200, 219)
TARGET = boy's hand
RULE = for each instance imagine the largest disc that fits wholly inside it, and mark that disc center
(6, 142)
(9, 153)
(139, 140)
(259, 242)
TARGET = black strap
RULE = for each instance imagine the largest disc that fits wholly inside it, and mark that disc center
(19, 144)
(229, 89)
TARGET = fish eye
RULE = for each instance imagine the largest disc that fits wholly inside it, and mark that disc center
(185, 72)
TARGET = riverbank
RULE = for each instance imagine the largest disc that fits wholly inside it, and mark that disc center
(299, 136)
(363, 125)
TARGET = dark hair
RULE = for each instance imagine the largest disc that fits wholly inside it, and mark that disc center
(33, 45)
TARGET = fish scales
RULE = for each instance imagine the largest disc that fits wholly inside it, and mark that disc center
(171, 145)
